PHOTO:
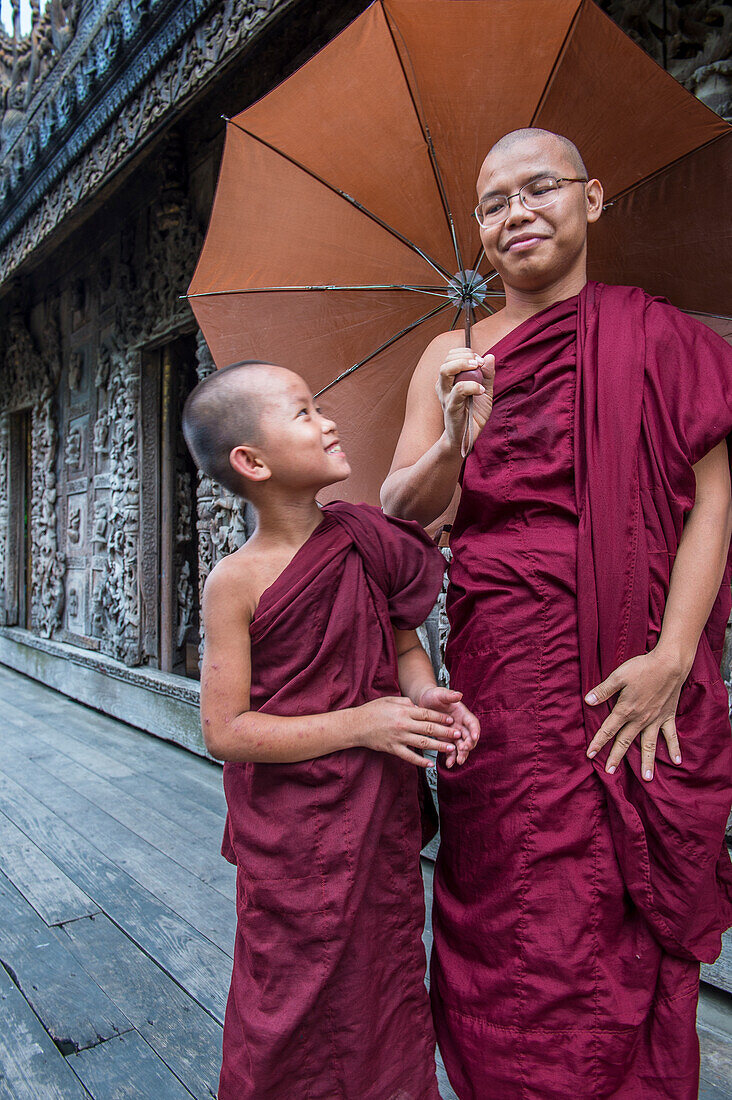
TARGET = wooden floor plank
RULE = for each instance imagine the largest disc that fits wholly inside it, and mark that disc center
(201, 860)
(41, 730)
(179, 1031)
(144, 784)
(31, 1067)
(126, 1068)
(51, 893)
(206, 909)
(73, 1009)
(134, 746)
(128, 744)
(203, 969)
(206, 824)
(110, 763)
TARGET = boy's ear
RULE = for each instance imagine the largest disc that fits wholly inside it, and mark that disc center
(248, 463)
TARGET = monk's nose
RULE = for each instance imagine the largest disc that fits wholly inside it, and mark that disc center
(517, 212)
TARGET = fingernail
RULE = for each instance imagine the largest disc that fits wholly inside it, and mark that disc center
(677, 759)
(482, 389)
(610, 770)
(591, 698)
(592, 754)
(648, 774)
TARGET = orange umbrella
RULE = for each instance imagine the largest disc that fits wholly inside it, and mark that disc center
(342, 237)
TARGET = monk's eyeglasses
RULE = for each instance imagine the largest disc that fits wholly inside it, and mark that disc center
(533, 195)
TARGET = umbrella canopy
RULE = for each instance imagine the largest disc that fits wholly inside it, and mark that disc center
(342, 238)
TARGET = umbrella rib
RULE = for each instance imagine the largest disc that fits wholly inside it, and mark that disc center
(437, 292)
(421, 119)
(350, 199)
(557, 62)
(387, 344)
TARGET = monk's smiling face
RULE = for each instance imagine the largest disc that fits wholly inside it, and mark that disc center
(532, 249)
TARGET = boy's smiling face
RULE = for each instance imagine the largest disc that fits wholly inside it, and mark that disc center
(300, 445)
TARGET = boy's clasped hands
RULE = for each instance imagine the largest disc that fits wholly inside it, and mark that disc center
(438, 722)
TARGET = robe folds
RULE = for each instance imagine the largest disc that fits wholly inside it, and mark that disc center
(327, 998)
(572, 907)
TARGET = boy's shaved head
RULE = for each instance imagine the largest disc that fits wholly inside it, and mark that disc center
(529, 133)
(225, 411)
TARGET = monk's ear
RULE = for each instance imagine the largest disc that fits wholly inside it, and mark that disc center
(249, 464)
(594, 196)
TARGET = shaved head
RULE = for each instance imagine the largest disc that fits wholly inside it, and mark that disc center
(225, 411)
(532, 133)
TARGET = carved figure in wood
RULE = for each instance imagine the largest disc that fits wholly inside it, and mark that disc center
(73, 529)
(76, 370)
(101, 434)
(72, 454)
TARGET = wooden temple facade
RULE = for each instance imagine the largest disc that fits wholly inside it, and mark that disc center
(110, 140)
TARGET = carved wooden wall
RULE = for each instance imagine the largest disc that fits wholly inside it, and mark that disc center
(80, 336)
(77, 363)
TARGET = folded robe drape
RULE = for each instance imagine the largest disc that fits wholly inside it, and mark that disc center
(327, 999)
(654, 395)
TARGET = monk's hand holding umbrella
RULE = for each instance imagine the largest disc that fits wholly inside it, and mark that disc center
(465, 390)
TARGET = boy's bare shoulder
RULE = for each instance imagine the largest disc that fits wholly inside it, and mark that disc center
(230, 582)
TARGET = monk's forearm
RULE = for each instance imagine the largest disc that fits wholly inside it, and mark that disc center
(424, 490)
(258, 738)
(695, 580)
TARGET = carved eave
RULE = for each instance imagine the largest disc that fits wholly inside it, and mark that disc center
(130, 66)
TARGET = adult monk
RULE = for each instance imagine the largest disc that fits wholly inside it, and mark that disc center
(582, 873)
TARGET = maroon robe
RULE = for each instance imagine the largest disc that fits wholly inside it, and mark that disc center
(572, 907)
(327, 998)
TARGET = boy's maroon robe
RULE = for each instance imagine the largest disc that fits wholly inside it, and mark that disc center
(327, 998)
(571, 907)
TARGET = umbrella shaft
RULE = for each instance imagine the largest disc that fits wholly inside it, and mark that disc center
(467, 441)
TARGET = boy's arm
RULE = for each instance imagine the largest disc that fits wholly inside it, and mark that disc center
(417, 680)
(233, 732)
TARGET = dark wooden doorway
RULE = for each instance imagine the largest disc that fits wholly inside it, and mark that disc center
(20, 556)
(169, 567)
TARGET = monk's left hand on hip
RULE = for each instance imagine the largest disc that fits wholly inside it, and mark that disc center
(647, 689)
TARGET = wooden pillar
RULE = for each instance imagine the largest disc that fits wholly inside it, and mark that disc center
(18, 565)
(167, 513)
(27, 610)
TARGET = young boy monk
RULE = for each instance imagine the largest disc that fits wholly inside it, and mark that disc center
(319, 697)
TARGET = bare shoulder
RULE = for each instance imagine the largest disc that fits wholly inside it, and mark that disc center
(484, 334)
(434, 354)
(229, 584)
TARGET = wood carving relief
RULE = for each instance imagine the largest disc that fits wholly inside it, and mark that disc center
(30, 380)
(116, 607)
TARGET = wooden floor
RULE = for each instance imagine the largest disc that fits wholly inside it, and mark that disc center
(117, 912)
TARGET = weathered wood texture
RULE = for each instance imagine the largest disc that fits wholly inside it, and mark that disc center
(126, 1067)
(117, 914)
(30, 1065)
(70, 1005)
(719, 973)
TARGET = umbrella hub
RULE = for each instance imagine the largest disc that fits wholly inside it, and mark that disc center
(467, 288)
